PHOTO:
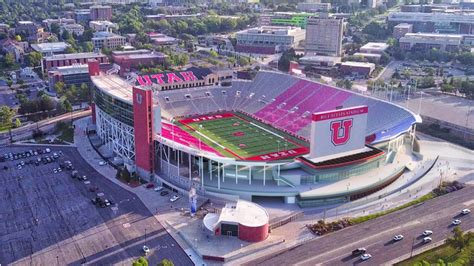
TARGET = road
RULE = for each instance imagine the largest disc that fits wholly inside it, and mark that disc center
(25, 131)
(376, 235)
(387, 72)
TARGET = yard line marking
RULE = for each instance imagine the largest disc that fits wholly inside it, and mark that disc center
(273, 133)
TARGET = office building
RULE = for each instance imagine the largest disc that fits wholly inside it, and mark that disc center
(130, 60)
(102, 25)
(449, 23)
(268, 39)
(60, 60)
(358, 68)
(50, 48)
(100, 12)
(75, 29)
(82, 15)
(426, 41)
(374, 48)
(324, 36)
(109, 40)
(69, 75)
(401, 29)
(315, 6)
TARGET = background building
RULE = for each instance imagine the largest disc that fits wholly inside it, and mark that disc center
(76, 29)
(424, 41)
(69, 75)
(109, 40)
(102, 25)
(99, 12)
(60, 60)
(129, 60)
(359, 68)
(314, 6)
(268, 39)
(450, 23)
(401, 29)
(374, 48)
(50, 48)
(324, 36)
(82, 15)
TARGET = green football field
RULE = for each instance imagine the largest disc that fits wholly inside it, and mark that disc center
(242, 138)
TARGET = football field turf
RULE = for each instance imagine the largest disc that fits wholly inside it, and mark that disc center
(242, 138)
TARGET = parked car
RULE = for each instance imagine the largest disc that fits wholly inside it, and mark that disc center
(164, 193)
(146, 249)
(158, 188)
(427, 239)
(465, 211)
(456, 222)
(150, 185)
(174, 198)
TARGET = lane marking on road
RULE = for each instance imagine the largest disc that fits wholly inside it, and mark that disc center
(412, 223)
(468, 203)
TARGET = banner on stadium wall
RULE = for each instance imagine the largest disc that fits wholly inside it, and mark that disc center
(338, 131)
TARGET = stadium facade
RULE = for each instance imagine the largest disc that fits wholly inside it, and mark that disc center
(276, 136)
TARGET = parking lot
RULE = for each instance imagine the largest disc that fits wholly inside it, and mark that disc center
(47, 218)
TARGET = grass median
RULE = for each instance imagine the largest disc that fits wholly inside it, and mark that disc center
(382, 213)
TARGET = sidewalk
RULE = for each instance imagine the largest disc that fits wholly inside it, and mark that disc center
(148, 197)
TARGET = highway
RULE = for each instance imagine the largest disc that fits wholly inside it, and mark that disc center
(376, 235)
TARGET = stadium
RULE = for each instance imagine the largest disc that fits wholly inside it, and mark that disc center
(276, 137)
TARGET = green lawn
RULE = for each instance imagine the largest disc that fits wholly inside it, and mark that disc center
(382, 213)
(241, 137)
(446, 253)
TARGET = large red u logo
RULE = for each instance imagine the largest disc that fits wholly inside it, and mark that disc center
(341, 131)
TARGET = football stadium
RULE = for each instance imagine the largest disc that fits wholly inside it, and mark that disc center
(276, 137)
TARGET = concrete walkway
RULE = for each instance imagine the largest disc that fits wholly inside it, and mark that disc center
(153, 202)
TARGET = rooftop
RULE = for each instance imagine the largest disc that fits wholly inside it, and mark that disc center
(357, 64)
(271, 30)
(375, 46)
(52, 47)
(115, 86)
(106, 34)
(72, 69)
(242, 212)
(433, 36)
(73, 56)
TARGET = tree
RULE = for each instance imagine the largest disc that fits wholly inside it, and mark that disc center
(18, 38)
(59, 87)
(17, 123)
(6, 116)
(65, 35)
(166, 262)
(46, 103)
(459, 240)
(140, 262)
(34, 59)
(243, 61)
(9, 60)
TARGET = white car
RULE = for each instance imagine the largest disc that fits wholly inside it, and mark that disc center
(174, 198)
(398, 237)
(427, 239)
(146, 249)
(102, 163)
(48, 150)
(427, 233)
(456, 222)
(365, 256)
(465, 211)
(158, 188)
